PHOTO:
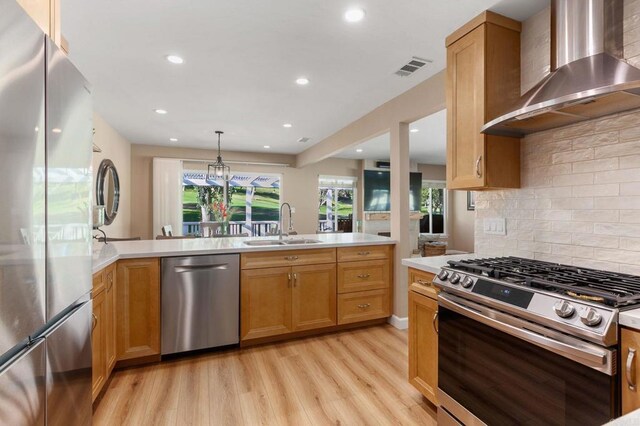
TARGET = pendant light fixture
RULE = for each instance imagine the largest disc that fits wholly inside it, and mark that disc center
(219, 170)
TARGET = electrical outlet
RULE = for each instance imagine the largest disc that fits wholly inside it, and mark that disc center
(495, 226)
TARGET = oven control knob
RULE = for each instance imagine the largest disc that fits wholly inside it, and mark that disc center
(467, 282)
(590, 317)
(443, 275)
(563, 308)
(455, 278)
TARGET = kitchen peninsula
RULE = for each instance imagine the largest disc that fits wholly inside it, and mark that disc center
(290, 287)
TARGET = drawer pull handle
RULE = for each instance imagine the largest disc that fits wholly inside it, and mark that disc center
(289, 282)
(435, 322)
(478, 172)
(291, 257)
(363, 276)
(94, 321)
(423, 282)
(364, 253)
(630, 357)
(364, 305)
(295, 279)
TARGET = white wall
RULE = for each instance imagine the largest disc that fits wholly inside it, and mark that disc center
(118, 150)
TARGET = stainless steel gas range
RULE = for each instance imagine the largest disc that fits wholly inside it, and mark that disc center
(529, 342)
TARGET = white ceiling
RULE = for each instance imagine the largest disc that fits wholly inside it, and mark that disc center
(426, 146)
(243, 56)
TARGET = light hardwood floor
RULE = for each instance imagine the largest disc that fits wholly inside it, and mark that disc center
(356, 377)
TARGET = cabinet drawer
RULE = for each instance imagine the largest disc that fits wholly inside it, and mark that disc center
(349, 254)
(366, 275)
(422, 282)
(278, 258)
(363, 306)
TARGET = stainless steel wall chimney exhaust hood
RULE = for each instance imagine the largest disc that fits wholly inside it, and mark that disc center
(590, 79)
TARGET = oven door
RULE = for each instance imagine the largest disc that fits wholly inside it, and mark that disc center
(497, 369)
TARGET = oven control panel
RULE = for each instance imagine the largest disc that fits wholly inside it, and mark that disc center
(566, 313)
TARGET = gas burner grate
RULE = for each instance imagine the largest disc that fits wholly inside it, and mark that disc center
(611, 288)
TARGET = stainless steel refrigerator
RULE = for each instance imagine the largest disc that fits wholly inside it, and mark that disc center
(45, 229)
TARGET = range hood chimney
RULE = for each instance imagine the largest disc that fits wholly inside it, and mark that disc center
(589, 77)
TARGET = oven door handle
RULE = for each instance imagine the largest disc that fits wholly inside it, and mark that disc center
(589, 356)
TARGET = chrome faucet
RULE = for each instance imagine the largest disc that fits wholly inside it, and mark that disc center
(280, 225)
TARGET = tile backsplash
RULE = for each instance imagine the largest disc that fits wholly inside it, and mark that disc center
(580, 198)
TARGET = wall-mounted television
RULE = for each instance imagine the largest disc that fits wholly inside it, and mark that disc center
(377, 191)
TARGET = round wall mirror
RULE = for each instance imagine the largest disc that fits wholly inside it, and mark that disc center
(108, 190)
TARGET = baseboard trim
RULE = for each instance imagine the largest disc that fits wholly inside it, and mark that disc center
(399, 323)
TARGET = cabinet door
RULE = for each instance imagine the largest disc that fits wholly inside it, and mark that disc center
(423, 345)
(465, 111)
(630, 340)
(138, 308)
(110, 317)
(265, 301)
(314, 296)
(98, 341)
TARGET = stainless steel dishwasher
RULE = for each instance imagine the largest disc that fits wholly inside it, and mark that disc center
(200, 302)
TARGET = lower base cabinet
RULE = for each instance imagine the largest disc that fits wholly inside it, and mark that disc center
(423, 336)
(278, 301)
(98, 345)
(138, 308)
(630, 350)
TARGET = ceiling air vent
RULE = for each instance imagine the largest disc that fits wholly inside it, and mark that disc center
(412, 66)
(304, 139)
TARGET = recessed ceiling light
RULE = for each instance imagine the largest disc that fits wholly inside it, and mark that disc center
(266, 147)
(160, 111)
(302, 81)
(359, 150)
(56, 130)
(414, 130)
(287, 125)
(175, 59)
(354, 15)
(173, 139)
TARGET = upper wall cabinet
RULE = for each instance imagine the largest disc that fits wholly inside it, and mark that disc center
(46, 13)
(483, 82)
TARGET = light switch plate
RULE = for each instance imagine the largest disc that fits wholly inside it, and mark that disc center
(495, 226)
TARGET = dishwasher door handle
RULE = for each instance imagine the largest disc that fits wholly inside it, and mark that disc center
(196, 268)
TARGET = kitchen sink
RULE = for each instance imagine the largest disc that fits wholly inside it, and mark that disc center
(264, 243)
(281, 242)
(301, 241)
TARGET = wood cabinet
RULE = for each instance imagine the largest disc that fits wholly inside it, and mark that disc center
(265, 301)
(423, 335)
(282, 300)
(314, 296)
(103, 339)
(98, 344)
(138, 308)
(364, 283)
(285, 292)
(110, 317)
(45, 13)
(630, 350)
(483, 82)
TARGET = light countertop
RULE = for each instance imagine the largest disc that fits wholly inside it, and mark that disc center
(434, 263)
(630, 318)
(106, 254)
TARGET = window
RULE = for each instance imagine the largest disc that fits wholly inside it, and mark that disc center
(253, 200)
(336, 196)
(433, 205)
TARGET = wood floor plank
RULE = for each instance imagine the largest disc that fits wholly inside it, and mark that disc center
(355, 377)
